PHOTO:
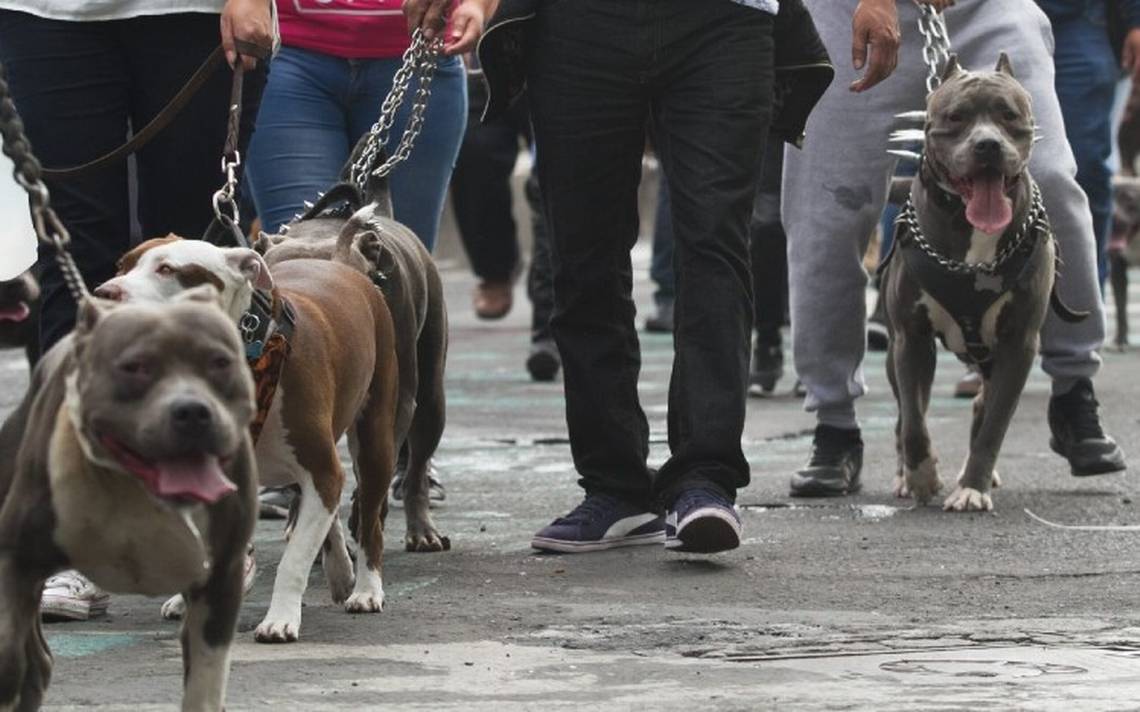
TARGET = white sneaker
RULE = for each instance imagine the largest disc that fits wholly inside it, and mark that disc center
(69, 595)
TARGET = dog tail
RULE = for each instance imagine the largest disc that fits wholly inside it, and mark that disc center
(1068, 315)
(375, 189)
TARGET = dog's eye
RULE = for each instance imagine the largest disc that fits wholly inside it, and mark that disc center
(220, 362)
(165, 270)
(135, 367)
(954, 117)
(1011, 116)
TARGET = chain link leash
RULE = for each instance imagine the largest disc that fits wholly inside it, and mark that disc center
(419, 61)
(935, 44)
(28, 173)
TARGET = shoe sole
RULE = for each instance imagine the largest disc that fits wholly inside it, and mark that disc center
(562, 546)
(59, 609)
(709, 532)
(1117, 465)
(817, 491)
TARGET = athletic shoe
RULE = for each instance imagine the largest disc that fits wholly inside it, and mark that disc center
(662, 321)
(702, 521)
(437, 494)
(69, 595)
(600, 522)
(834, 466)
(274, 502)
(543, 362)
(767, 367)
(1077, 436)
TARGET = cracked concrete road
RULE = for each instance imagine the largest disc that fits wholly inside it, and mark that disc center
(840, 604)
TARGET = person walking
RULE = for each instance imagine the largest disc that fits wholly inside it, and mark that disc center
(846, 173)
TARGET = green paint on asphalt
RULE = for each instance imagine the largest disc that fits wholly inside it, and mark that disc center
(78, 645)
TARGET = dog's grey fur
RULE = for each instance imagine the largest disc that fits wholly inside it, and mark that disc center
(969, 107)
(66, 502)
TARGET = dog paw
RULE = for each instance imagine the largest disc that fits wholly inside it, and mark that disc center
(338, 573)
(995, 478)
(922, 482)
(996, 481)
(277, 631)
(365, 602)
(174, 608)
(426, 541)
(968, 499)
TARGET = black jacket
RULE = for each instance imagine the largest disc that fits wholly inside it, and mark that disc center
(802, 66)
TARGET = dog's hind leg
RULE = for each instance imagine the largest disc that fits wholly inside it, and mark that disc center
(1000, 394)
(423, 439)
(900, 488)
(282, 623)
(913, 357)
(1118, 277)
(375, 461)
(207, 633)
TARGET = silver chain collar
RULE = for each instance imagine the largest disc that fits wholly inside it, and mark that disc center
(419, 61)
(1035, 221)
(935, 44)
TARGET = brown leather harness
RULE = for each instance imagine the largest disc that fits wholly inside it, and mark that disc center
(266, 330)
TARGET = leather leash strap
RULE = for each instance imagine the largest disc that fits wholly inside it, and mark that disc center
(212, 63)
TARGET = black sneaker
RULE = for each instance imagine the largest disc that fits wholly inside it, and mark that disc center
(600, 522)
(701, 521)
(662, 321)
(767, 367)
(1077, 435)
(543, 363)
(835, 465)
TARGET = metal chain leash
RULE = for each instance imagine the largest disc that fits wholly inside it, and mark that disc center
(419, 61)
(1035, 222)
(935, 44)
(28, 173)
(225, 199)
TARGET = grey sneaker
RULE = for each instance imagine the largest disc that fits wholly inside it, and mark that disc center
(69, 595)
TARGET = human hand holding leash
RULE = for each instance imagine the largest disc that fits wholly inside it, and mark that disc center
(875, 30)
(468, 20)
(247, 22)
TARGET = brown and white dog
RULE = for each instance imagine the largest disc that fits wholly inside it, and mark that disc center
(341, 378)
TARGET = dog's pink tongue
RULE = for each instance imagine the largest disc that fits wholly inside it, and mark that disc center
(198, 478)
(988, 209)
(17, 313)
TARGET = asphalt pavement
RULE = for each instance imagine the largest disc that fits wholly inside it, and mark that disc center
(858, 603)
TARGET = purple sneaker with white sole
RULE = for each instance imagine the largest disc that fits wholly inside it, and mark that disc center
(600, 522)
(701, 521)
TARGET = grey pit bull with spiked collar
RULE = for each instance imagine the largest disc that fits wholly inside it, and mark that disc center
(973, 263)
(134, 466)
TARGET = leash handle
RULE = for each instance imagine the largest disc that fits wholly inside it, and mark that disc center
(226, 210)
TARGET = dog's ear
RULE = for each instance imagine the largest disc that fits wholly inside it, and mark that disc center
(91, 310)
(252, 265)
(952, 68)
(1003, 64)
(370, 245)
(261, 243)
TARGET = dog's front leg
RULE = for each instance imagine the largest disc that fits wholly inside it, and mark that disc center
(207, 633)
(1000, 392)
(913, 359)
(25, 663)
(282, 623)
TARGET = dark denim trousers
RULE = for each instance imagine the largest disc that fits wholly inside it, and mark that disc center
(78, 85)
(1086, 87)
(701, 74)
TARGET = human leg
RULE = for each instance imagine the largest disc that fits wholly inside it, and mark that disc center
(769, 250)
(661, 263)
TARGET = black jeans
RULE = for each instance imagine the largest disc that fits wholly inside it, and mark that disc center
(78, 86)
(769, 248)
(481, 189)
(701, 73)
(540, 277)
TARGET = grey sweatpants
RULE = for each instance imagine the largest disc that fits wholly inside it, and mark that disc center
(835, 187)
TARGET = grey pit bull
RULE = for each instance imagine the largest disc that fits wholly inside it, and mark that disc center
(135, 467)
(355, 227)
(973, 264)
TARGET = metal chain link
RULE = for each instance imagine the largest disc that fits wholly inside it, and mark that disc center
(935, 44)
(419, 61)
(27, 172)
(1035, 222)
(225, 198)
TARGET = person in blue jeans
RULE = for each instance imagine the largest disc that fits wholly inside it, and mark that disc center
(325, 88)
(1087, 72)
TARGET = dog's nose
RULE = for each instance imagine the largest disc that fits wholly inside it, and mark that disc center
(190, 416)
(109, 291)
(987, 148)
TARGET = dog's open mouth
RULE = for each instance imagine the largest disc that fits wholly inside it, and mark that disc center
(988, 206)
(15, 313)
(195, 478)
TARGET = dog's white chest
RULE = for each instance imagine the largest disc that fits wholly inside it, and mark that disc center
(945, 326)
(115, 532)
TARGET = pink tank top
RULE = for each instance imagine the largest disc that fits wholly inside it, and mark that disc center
(353, 29)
